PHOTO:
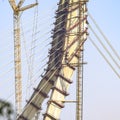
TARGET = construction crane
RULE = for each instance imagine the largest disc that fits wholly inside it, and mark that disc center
(17, 9)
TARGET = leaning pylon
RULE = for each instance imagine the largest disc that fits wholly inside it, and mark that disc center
(69, 35)
(71, 31)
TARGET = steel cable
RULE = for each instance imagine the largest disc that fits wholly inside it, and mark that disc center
(106, 39)
(111, 56)
(118, 75)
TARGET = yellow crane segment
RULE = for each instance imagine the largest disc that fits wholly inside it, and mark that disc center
(17, 51)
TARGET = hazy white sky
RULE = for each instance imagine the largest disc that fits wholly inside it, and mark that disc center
(101, 85)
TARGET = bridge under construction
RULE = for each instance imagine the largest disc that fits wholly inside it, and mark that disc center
(65, 57)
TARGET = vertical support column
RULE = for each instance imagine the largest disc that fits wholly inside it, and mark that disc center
(17, 59)
(78, 92)
(79, 84)
(79, 87)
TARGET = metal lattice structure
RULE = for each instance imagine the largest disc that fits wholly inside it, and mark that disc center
(17, 9)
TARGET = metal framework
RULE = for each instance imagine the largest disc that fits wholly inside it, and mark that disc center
(66, 54)
(17, 9)
(79, 85)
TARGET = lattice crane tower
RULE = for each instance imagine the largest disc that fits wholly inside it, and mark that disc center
(17, 9)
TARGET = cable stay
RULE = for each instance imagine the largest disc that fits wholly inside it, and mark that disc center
(41, 70)
(3, 66)
(33, 43)
(35, 33)
(106, 39)
(118, 75)
(29, 19)
(44, 86)
(43, 66)
(111, 56)
(24, 60)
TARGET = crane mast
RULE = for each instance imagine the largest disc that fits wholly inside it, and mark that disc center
(17, 9)
(17, 59)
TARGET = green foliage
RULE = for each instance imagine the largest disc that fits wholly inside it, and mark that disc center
(5, 109)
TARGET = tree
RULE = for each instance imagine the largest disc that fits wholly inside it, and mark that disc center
(6, 110)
